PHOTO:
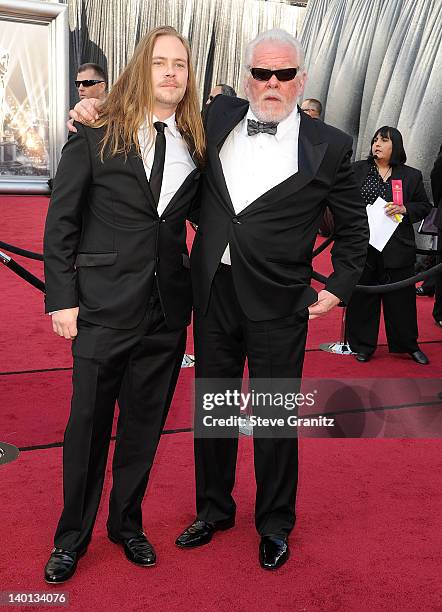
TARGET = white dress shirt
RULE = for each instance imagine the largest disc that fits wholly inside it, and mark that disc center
(252, 165)
(177, 165)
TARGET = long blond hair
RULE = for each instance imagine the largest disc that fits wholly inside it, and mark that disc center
(124, 110)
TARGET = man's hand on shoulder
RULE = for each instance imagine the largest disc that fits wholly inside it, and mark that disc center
(326, 301)
(64, 322)
(85, 111)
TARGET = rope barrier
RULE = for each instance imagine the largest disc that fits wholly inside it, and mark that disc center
(39, 257)
(391, 286)
(323, 246)
(388, 288)
(18, 251)
(330, 239)
(22, 272)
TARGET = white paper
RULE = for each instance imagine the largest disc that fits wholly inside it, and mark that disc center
(381, 225)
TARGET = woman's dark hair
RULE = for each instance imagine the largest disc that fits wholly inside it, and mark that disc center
(398, 155)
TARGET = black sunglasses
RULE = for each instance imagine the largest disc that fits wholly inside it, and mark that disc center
(87, 82)
(264, 74)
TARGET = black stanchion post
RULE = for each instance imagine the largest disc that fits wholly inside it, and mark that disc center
(5, 259)
(8, 453)
(341, 347)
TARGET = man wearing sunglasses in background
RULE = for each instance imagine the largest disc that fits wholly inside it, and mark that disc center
(270, 172)
(91, 82)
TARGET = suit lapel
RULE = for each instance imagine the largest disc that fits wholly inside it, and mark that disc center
(311, 151)
(398, 173)
(136, 163)
(227, 121)
(215, 164)
(138, 167)
(189, 178)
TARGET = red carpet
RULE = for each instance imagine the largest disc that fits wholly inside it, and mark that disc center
(368, 535)
(35, 407)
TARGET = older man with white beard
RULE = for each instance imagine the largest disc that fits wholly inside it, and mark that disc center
(271, 170)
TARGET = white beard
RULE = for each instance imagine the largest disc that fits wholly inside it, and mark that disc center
(276, 115)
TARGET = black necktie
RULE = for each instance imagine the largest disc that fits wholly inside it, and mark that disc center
(255, 127)
(156, 174)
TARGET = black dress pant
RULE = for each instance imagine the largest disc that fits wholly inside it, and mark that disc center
(437, 310)
(144, 363)
(364, 310)
(224, 338)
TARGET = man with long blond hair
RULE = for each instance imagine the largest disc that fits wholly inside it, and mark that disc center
(118, 286)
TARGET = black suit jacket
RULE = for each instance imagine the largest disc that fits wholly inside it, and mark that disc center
(271, 241)
(400, 250)
(105, 244)
(436, 187)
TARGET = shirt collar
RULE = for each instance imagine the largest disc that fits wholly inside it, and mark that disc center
(171, 124)
(284, 126)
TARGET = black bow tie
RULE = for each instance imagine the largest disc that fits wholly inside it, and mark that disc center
(255, 127)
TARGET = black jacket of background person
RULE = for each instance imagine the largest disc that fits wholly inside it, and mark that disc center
(436, 187)
(271, 241)
(400, 250)
(105, 243)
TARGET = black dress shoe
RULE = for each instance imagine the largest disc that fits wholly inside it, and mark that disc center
(200, 533)
(61, 565)
(419, 357)
(422, 292)
(138, 549)
(273, 552)
(363, 357)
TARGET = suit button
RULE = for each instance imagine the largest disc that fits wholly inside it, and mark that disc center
(163, 220)
(236, 221)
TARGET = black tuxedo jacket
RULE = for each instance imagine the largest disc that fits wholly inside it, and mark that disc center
(436, 187)
(271, 241)
(105, 244)
(400, 250)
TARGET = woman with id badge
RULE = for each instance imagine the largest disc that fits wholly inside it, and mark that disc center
(384, 175)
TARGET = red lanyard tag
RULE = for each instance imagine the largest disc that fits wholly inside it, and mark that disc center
(396, 187)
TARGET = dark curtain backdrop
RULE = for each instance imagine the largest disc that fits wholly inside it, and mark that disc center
(370, 62)
(106, 32)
